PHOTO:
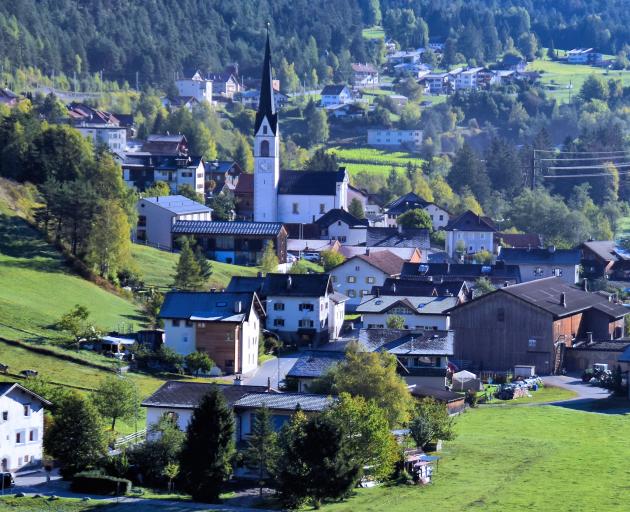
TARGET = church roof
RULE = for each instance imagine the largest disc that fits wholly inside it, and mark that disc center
(310, 183)
(266, 104)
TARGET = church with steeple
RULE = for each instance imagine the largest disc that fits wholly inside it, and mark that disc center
(288, 196)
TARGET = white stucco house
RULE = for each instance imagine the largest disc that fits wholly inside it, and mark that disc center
(110, 135)
(419, 313)
(21, 427)
(356, 276)
(196, 87)
(225, 326)
(156, 216)
(394, 138)
(536, 263)
(335, 95)
(302, 309)
(338, 224)
(469, 233)
(439, 216)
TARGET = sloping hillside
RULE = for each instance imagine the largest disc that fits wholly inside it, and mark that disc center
(36, 287)
(158, 267)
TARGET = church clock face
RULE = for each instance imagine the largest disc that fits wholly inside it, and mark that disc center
(264, 166)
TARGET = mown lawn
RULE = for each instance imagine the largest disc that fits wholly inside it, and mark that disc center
(158, 267)
(373, 33)
(36, 287)
(373, 160)
(519, 458)
(623, 227)
(567, 79)
(544, 394)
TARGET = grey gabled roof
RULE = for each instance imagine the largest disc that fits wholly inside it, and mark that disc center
(216, 227)
(392, 237)
(177, 204)
(337, 214)
(285, 401)
(7, 387)
(407, 202)
(314, 364)
(417, 305)
(333, 90)
(188, 395)
(310, 183)
(401, 342)
(469, 221)
(419, 288)
(284, 285)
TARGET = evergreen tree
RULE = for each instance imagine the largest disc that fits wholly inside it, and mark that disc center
(243, 154)
(322, 160)
(205, 267)
(503, 167)
(261, 452)
(316, 462)
(317, 130)
(468, 171)
(223, 206)
(356, 208)
(205, 460)
(188, 275)
(75, 437)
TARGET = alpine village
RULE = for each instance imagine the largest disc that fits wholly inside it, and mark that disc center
(348, 255)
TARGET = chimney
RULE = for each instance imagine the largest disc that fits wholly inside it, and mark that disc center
(585, 283)
(237, 380)
(212, 290)
(563, 300)
(400, 229)
(238, 306)
(505, 284)
(394, 288)
(589, 337)
(259, 274)
(289, 282)
(377, 291)
(551, 249)
(157, 199)
(367, 251)
(268, 384)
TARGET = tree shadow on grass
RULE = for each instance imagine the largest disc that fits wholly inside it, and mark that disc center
(610, 405)
(20, 240)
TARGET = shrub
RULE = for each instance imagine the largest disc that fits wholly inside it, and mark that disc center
(471, 398)
(94, 482)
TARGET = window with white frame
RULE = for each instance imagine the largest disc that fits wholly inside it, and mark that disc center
(278, 306)
(306, 307)
(306, 323)
(351, 279)
(351, 294)
(369, 280)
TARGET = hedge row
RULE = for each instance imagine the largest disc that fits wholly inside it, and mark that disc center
(94, 482)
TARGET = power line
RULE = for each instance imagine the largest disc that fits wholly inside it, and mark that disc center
(553, 151)
(581, 159)
(576, 167)
(597, 175)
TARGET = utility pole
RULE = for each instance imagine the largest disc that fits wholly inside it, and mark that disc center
(533, 183)
(137, 81)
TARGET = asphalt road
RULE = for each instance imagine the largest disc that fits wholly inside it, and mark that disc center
(271, 370)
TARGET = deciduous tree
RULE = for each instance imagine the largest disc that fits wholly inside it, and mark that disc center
(117, 398)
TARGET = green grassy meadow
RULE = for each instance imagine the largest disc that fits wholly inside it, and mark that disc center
(36, 287)
(373, 160)
(564, 81)
(519, 458)
(158, 267)
(373, 33)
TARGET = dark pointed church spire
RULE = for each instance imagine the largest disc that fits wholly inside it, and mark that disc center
(266, 103)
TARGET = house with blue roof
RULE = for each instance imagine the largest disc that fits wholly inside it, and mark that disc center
(157, 215)
(224, 325)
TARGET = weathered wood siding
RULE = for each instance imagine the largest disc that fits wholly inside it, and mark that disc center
(494, 344)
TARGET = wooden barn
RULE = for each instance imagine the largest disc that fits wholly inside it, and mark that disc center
(532, 324)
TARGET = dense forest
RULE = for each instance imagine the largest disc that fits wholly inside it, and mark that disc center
(159, 38)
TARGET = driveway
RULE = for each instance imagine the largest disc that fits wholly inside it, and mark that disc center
(271, 370)
(589, 398)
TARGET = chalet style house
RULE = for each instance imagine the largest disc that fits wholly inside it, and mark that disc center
(303, 309)
(533, 324)
(225, 326)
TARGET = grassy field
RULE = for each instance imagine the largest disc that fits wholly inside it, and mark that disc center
(564, 81)
(519, 458)
(157, 268)
(544, 394)
(373, 33)
(36, 287)
(373, 160)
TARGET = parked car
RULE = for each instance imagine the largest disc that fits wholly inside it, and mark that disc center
(6, 480)
(311, 256)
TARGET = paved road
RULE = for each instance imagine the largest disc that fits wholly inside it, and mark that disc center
(271, 370)
(574, 383)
